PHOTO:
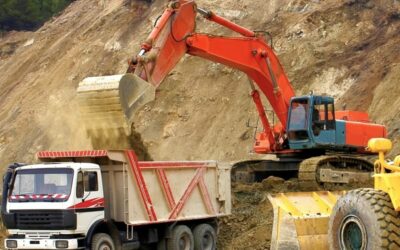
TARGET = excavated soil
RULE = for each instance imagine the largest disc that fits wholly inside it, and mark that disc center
(114, 138)
(349, 49)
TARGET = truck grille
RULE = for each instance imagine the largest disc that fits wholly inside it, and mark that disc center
(44, 219)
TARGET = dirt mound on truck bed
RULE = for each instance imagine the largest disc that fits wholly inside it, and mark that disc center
(346, 48)
(118, 139)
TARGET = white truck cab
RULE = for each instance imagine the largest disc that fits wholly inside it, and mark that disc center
(47, 201)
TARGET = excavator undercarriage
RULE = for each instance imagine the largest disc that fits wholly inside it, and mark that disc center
(334, 171)
(324, 172)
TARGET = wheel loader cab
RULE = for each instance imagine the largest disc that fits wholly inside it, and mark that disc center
(311, 122)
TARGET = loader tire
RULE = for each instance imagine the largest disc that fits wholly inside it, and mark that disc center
(205, 237)
(364, 219)
(102, 241)
(181, 239)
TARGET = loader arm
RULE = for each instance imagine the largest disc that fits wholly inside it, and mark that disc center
(174, 36)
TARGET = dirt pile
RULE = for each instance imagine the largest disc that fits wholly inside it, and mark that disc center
(250, 225)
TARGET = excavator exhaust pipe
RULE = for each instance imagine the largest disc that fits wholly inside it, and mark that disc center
(110, 102)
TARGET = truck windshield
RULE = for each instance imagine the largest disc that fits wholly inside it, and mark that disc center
(45, 184)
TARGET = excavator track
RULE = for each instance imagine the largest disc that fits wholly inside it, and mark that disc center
(256, 170)
(333, 172)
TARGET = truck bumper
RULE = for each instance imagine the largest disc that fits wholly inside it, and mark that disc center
(41, 243)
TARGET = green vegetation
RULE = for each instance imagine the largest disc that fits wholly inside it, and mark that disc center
(28, 14)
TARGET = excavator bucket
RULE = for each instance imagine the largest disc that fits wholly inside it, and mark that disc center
(301, 219)
(110, 102)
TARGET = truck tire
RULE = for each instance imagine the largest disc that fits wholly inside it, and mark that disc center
(205, 237)
(181, 238)
(162, 244)
(364, 219)
(102, 241)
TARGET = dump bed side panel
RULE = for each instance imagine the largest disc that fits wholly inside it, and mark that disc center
(113, 191)
(167, 191)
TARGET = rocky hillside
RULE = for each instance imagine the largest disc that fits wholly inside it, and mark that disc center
(346, 48)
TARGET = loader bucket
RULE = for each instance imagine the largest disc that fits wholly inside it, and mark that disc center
(110, 102)
(301, 219)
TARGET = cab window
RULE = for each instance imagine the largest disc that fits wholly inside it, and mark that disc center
(90, 180)
(298, 120)
(323, 117)
(79, 185)
(298, 115)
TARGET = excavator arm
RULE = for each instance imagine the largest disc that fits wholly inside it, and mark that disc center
(174, 36)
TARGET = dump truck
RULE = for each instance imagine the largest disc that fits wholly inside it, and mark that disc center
(306, 135)
(364, 218)
(103, 199)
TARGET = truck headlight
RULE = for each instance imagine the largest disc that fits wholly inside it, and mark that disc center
(61, 244)
(11, 244)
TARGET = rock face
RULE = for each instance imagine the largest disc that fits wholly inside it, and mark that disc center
(348, 49)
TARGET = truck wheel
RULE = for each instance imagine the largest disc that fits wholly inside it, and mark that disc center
(364, 219)
(102, 241)
(205, 237)
(181, 238)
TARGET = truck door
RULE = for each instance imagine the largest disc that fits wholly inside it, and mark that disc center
(89, 205)
(323, 121)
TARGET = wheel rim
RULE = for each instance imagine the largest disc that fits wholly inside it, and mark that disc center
(184, 242)
(353, 235)
(207, 241)
(105, 246)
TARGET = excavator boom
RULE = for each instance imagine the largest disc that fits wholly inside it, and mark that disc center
(111, 101)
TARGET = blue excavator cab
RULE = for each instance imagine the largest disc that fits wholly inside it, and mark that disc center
(311, 123)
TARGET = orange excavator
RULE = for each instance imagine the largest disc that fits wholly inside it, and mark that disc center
(324, 145)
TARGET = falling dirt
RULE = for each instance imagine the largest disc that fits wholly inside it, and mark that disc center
(112, 138)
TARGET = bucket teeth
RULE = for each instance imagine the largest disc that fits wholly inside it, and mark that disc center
(110, 102)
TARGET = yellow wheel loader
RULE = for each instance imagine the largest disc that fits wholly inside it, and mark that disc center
(365, 218)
